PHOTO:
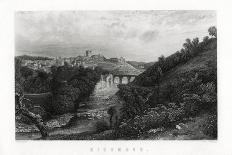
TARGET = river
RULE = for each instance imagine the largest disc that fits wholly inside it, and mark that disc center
(91, 110)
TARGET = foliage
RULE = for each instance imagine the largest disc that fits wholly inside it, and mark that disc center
(191, 104)
(166, 116)
(154, 118)
(29, 117)
(193, 91)
(18, 77)
(209, 96)
(210, 126)
(70, 85)
(38, 83)
(101, 126)
(64, 99)
(29, 80)
(135, 100)
(213, 31)
(190, 49)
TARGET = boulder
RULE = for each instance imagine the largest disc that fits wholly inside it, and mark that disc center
(59, 121)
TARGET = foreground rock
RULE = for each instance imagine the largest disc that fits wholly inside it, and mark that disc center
(57, 122)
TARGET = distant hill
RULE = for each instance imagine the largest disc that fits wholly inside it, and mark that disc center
(119, 68)
(126, 69)
(94, 60)
(140, 65)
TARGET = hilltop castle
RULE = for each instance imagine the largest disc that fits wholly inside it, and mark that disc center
(88, 60)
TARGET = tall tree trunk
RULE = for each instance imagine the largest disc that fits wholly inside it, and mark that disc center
(37, 120)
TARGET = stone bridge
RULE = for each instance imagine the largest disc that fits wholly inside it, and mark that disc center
(125, 71)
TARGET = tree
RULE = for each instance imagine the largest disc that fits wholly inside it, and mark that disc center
(19, 98)
(213, 31)
(161, 61)
(35, 119)
(195, 42)
(70, 85)
(206, 39)
(187, 45)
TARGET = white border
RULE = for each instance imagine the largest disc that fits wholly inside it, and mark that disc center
(8, 145)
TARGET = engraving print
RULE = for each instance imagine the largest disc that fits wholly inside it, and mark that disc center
(116, 75)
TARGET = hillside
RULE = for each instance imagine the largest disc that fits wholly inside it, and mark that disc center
(138, 65)
(179, 89)
(126, 69)
(118, 67)
(109, 66)
(198, 64)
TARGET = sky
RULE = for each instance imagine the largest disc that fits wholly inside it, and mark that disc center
(134, 35)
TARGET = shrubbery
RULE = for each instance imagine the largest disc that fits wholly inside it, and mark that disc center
(31, 81)
(39, 83)
(194, 100)
(70, 85)
(210, 126)
(190, 92)
(190, 50)
(102, 125)
(154, 118)
(135, 100)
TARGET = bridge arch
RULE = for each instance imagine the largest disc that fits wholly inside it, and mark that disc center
(121, 78)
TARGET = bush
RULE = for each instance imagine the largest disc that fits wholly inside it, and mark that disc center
(208, 96)
(159, 116)
(191, 104)
(139, 124)
(194, 95)
(135, 100)
(70, 85)
(176, 114)
(34, 81)
(210, 126)
(102, 125)
(64, 99)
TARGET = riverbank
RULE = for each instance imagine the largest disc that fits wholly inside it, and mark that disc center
(91, 111)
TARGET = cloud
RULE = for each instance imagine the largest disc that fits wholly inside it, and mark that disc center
(150, 35)
(132, 34)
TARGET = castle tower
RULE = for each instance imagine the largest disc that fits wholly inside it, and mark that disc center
(87, 53)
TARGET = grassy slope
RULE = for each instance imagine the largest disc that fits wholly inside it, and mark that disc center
(193, 129)
(197, 63)
(194, 125)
